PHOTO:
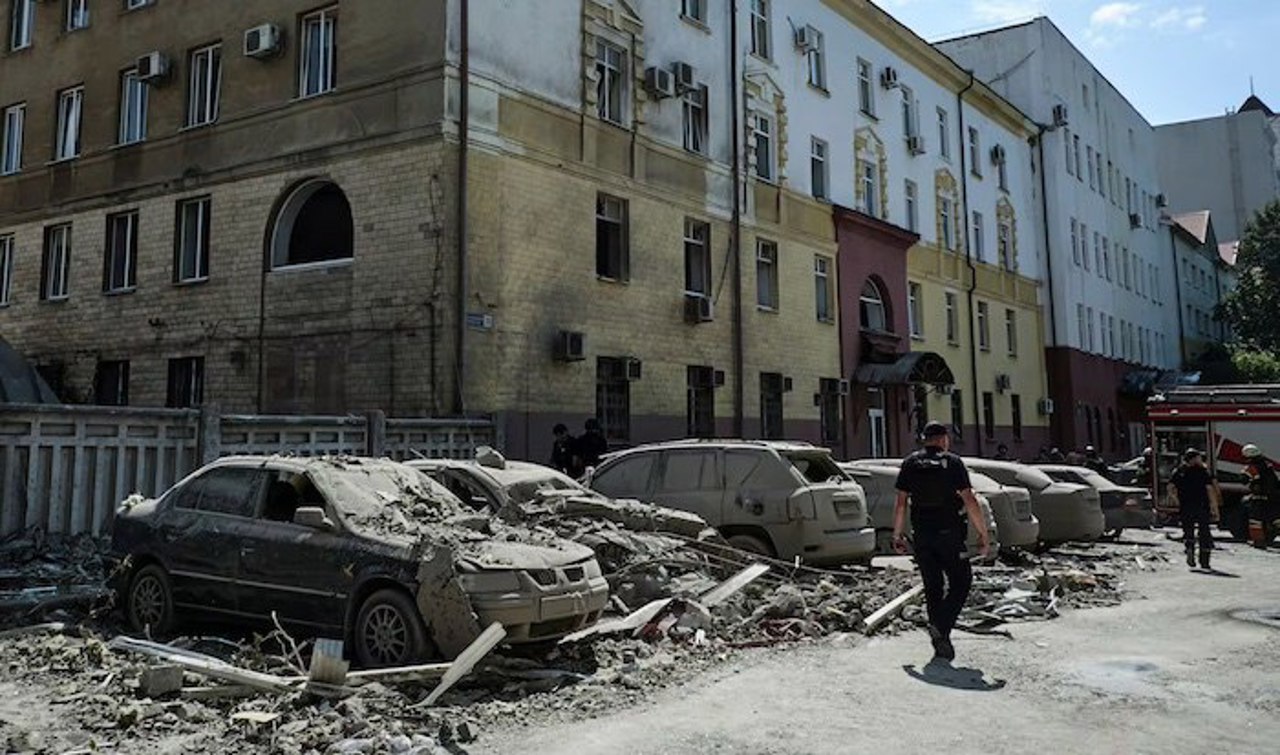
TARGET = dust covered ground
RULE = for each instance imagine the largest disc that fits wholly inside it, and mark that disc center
(780, 667)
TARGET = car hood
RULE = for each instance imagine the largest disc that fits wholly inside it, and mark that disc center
(495, 555)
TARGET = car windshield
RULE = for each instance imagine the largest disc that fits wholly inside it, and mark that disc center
(1033, 479)
(523, 484)
(815, 467)
(383, 496)
(1066, 475)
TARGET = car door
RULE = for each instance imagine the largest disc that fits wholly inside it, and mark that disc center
(299, 572)
(758, 487)
(200, 536)
(691, 480)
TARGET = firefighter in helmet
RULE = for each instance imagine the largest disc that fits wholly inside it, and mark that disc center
(1264, 488)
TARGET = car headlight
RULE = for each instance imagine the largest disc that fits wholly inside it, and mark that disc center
(496, 581)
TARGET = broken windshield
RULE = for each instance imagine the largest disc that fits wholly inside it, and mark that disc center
(383, 494)
(524, 484)
(815, 467)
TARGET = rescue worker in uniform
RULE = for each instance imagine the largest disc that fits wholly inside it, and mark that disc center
(1093, 461)
(936, 484)
(1264, 488)
(1198, 497)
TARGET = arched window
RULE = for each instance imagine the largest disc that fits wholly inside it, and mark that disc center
(314, 224)
(873, 308)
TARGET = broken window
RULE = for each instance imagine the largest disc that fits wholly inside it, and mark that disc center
(120, 263)
(610, 82)
(771, 390)
(702, 402)
(314, 225)
(613, 398)
(226, 490)
(611, 238)
(286, 493)
(111, 383)
(186, 382)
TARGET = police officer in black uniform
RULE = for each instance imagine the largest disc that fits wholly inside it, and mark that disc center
(1197, 494)
(937, 485)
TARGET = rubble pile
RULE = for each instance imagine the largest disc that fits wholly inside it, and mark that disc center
(42, 573)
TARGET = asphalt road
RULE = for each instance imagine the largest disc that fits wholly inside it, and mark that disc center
(1181, 667)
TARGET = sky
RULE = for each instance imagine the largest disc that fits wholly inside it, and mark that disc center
(1175, 60)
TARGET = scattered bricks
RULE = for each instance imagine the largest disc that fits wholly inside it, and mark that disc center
(158, 681)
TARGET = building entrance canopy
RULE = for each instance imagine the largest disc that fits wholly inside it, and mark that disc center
(914, 367)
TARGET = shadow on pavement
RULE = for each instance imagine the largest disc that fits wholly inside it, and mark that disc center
(943, 674)
(1217, 573)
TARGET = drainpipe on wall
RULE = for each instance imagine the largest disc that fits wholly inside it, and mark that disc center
(1054, 424)
(464, 122)
(1177, 295)
(735, 234)
(968, 260)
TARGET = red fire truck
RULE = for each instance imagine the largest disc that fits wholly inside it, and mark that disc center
(1220, 420)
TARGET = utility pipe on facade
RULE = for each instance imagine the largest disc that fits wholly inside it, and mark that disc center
(968, 260)
(1177, 289)
(735, 234)
(1054, 426)
(464, 123)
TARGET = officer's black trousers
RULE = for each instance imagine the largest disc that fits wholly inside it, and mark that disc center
(947, 576)
(1193, 520)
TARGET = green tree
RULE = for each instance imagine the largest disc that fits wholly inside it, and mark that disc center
(1256, 366)
(1252, 308)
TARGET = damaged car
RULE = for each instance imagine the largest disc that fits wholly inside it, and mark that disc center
(1066, 511)
(368, 550)
(1123, 507)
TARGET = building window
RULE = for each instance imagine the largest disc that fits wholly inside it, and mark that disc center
(55, 268)
(913, 211)
(191, 250)
(988, 415)
(945, 218)
(763, 133)
(1066, 146)
(1002, 174)
(984, 326)
(701, 413)
(766, 274)
(944, 134)
(7, 252)
(1102, 179)
(760, 39)
(910, 126)
(1104, 336)
(816, 60)
(204, 86)
(694, 9)
(314, 225)
(15, 117)
(186, 382)
(915, 310)
(1004, 246)
(872, 310)
(22, 19)
(957, 413)
(979, 247)
(1075, 241)
(611, 238)
(1075, 156)
(133, 108)
(613, 398)
(120, 263)
(866, 88)
(70, 109)
(694, 113)
(318, 62)
(1015, 411)
(697, 257)
(818, 168)
(1089, 160)
(1097, 250)
(1011, 331)
(829, 410)
(1106, 258)
(975, 153)
(870, 186)
(1088, 321)
(822, 288)
(771, 390)
(1080, 325)
(953, 319)
(77, 14)
(111, 383)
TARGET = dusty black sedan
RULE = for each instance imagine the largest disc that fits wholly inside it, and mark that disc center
(364, 549)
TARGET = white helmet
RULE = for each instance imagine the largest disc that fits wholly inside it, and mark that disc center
(1251, 451)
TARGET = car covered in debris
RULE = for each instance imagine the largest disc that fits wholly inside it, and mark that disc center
(1122, 506)
(879, 483)
(1066, 511)
(1010, 505)
(773, 498)
(369, 550)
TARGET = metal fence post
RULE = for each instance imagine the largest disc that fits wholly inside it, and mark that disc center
(375, 438)
(210, 433)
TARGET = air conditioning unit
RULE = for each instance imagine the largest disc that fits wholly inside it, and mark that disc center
(685, 76)
(1059, 115)
(1135, 220)
(889, 77)
(807, 38)
(997, 154)
(1161, 201)
(570, 346)
(698, 308)
(634, 369)
(1045, 405)
(1003, 382)
(660, 82)
(152, 66)
(843, 387)
(915, 144)
(262, 41)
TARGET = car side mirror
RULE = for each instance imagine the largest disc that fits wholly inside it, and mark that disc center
(313, 517)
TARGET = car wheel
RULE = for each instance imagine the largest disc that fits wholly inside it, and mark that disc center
(149, 601)
(751, 544)
(389, 631)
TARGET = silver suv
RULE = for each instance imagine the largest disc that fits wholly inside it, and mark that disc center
(774, 498)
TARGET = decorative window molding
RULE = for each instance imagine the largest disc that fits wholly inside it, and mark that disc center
(1007, 218)
(765, 99)
(869, 148)
(615, 23)
(946, 188)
